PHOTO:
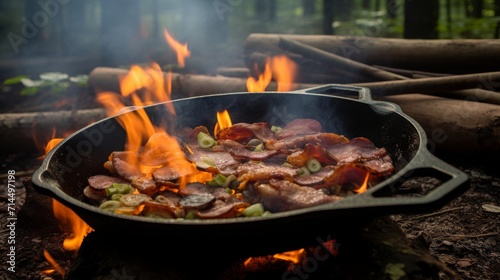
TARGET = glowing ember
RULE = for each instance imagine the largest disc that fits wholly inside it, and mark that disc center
(363, 186)
(223, 121)
(180, 49)
(79, 229)
(295, 256)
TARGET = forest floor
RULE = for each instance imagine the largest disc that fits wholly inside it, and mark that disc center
(464, 234)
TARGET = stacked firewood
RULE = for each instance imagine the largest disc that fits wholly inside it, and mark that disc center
(449, 86)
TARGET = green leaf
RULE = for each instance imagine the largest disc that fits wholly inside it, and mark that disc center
(80, 80)
(29, 91)
(31, 83)
(53, 76)
(15, 80)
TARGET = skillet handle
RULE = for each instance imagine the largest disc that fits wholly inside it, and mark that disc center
(453, 182)
(361, 93)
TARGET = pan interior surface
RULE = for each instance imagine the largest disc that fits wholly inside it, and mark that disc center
(83, 154)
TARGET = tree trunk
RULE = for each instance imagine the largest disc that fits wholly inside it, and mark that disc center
(328, 17)
(120, 32)
(421, 19)
(308, 7)
(390, 8)
(343, 9)
(477, 8)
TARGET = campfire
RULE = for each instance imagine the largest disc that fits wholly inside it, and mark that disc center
(141, 89)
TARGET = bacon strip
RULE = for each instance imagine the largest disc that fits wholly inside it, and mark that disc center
(283, 195)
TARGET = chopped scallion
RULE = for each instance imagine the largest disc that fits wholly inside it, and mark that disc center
(205, 140)
(313, 165)
(254, 210)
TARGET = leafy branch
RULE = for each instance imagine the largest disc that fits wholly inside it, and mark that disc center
(54, 82)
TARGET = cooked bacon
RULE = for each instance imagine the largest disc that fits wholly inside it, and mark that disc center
(349, 176)
(224, 162)
(166, 174)
(123, 167)
(283, 195)
(363, 152)
(293, 142)
(199, 188)
(222, 209)
(381, 166)
(300, 127)
(318, 180)
(252, 171)
(355, 150)
(240, 153)
(100, 182)
(243, 132)
(318, 152)
(144, 185)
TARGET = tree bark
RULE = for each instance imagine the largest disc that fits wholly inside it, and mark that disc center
(439, 55)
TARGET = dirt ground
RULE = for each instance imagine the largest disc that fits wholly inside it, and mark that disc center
(464, 234)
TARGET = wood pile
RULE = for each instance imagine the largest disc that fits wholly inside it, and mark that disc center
(450, 87)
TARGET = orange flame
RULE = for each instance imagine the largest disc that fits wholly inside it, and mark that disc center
(363, 186)
(295, 256)
(180, 49)
(263, 80)
(281, 68)
(152, 147)
(55, 265)
(223, 121)
(284, 71)
(79, 228)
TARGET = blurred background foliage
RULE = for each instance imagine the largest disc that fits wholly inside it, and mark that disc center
(75, 36)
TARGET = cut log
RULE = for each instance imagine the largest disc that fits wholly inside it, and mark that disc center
(20, 131)
(453, 126)
(183, 85)
(471, 127)
(337, 61)
(436, 55)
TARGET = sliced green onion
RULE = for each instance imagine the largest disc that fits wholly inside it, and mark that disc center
(303, 171)
(110, 205)
(276, 129)
(254, 210)
(122, 188)
(228, 181)
(116, 196)
(205, 140)
(259, 148)
(217, 181)
(191, 215)
(286, 164)
(134, 200)
(208, 160)
(110, 191)
(313, 165)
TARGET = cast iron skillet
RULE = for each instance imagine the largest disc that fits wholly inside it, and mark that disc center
(345, 110)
